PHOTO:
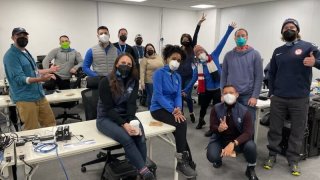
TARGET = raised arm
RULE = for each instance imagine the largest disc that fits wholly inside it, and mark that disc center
(196, 32)
(224, 39)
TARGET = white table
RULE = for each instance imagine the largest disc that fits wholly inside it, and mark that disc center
(89, 131)
(7, 171)
(260, 105)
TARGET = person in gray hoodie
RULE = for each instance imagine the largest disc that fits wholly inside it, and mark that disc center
(242, 67)
(68, 60)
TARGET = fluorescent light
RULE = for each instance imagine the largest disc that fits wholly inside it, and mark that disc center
(203, 6)
(135, 0)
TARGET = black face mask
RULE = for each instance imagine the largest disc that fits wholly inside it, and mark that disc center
(150, 52)
(123, 38)
(289, 35)
(185, 43)
(123, 70)
(22, 42)
(138, 42)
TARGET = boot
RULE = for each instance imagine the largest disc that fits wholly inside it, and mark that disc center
(183, 165)
(250, 173)
(200, 123)
(192, 118)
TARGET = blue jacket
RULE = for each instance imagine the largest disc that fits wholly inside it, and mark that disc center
(18, 66)
(210, 84)
(166, 90)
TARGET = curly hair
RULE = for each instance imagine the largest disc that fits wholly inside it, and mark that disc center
(171, 49)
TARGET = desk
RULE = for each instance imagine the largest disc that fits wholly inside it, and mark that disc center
(89, 131)
(7, 171)
(260, 105)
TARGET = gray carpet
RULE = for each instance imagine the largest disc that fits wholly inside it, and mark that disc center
(163, 155)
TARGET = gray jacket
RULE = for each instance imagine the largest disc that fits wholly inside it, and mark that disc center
(66, 59)
(103, 62)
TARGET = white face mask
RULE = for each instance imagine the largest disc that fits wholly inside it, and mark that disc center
(174, 65)
(229, 99)
(203, 57)
(104, 38)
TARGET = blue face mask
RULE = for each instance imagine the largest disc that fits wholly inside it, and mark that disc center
(241, 41)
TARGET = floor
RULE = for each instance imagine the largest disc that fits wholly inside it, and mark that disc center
(163, 156)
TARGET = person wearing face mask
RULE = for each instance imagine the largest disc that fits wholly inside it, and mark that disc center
(25, 81)
(149, 64)
(123, 47)
(232, 131)
(68, 59)
(186, 67)
(207, 73)
(166, 104)
(117, 107)
(138, 48)
(290, 76)
(242, 67)
(101, 56)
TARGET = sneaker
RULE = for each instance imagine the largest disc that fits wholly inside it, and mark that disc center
(269, 163)
(192, 118)
(251, 173)
(295, 170)
(217, 164)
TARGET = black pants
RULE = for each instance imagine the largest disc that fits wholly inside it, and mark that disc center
(62, 84)
(297, 109)
(180, 134)
(206, 98)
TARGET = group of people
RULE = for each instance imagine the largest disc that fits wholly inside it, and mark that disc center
(168, 80)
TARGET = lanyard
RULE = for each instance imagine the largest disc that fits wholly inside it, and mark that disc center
(30, 59)
(139, 52)
(124, 49)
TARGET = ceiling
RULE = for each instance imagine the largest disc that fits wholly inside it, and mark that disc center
(185, 4)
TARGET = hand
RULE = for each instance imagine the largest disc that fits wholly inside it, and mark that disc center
(309, 61)
(130, 129)
(228, 150)
(73, 71)
(176, 111)
(54, 68)
(47, 77)
(223, 125)
(184, 94)
(252, 102)
(203, 18)
(233, 24)
(179, 118)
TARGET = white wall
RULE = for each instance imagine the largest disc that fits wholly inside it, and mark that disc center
(45, 21)
(264, 21)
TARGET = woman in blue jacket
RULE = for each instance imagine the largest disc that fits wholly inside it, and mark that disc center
(208, 73)
(166, 106)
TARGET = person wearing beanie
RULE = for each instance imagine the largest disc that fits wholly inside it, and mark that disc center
(185, 68)
(242, 67)
(290, 68)
(207, 73)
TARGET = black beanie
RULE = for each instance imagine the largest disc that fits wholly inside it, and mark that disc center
(293, 21)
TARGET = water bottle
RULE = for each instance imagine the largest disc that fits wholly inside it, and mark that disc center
(73, 81)
(84, 82)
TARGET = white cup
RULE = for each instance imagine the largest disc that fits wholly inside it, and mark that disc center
(136, 125)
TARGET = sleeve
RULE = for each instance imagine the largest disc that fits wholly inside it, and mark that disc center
(272, 74)
(195, 36)
(106, 98)
(224, 73)
(214, 121)
(87, 64)
(132, 102)
(247, 129)
(222, 42)
(157, 91)
(178, 99)
(258, 76)
(79, 60)
(316, 53)
(189, 87)
(143, 66)
(46, 61)
(14, 70)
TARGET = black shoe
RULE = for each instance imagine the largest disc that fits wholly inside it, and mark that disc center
(217, 164)
(251, 174)
(208, 133)
(192, 118)
(200, 123)
(193, 165)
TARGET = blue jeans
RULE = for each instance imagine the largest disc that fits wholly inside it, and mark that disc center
(134, 146)
(217, 143)
(188, 98)
(149, 89)
(243, 99)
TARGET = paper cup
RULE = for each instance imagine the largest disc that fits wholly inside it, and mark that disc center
(136, 125)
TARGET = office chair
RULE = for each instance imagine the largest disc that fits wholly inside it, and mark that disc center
(114, 167)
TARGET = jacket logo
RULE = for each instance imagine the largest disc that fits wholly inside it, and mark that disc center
(278, 54)
(298, 52)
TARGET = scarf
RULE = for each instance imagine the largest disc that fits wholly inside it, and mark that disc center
(201, 80)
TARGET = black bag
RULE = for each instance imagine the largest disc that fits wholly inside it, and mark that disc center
(142, 95)
(314, 129)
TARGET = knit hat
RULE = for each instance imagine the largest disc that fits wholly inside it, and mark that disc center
(293, 21)
(198, 48)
